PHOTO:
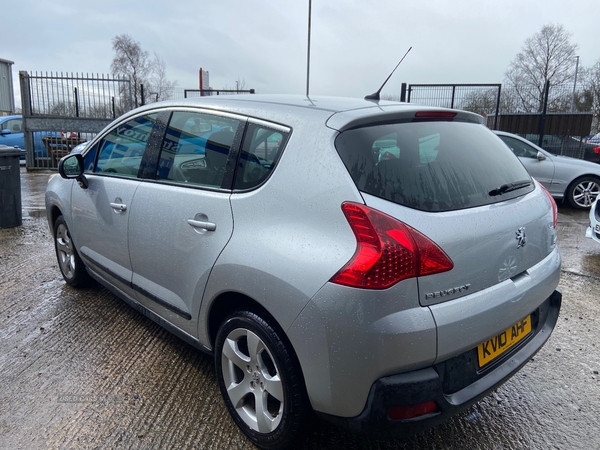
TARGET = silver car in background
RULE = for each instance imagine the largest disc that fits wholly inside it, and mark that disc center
(571, 179)
(382, 264)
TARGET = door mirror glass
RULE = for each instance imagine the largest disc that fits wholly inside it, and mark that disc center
(71, 166)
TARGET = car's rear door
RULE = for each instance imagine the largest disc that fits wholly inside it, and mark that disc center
(181, 221)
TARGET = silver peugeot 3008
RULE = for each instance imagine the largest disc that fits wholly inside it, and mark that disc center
(382, 264)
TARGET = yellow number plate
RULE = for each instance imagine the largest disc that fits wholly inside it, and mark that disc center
(490, 350)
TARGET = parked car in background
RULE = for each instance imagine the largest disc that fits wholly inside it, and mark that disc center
(594, 139)
(567, 146)
(572, 179)
(366, 260)
(593, 231)
(11, 134)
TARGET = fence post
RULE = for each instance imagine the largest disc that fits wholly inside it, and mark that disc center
(497, 108)
(26, 112)
(142, 95)
(403, 92)
(543, 116)
(76, 102)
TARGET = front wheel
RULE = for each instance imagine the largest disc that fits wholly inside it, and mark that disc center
(260, 381)
(71, 266)
(582, 192)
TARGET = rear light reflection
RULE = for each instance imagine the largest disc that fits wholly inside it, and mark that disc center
(409, 412)
(388, 251)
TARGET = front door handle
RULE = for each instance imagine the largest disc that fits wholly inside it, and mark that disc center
(208, 226)
(119, 207)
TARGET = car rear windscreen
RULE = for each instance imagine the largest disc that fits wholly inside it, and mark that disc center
(433, 166)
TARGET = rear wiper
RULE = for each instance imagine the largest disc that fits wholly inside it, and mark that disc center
(510, 187)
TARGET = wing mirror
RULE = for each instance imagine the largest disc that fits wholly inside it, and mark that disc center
(540, 156)
(71, 167)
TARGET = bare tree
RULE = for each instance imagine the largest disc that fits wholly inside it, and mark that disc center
(132, 62)
(549, 55)
(160, 88)
(480, 101)
(591, 85)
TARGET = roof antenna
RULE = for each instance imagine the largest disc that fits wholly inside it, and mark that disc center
(375, 96)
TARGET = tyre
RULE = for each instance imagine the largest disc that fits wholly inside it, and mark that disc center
(260, 381)
(583, 191)
(71, 266)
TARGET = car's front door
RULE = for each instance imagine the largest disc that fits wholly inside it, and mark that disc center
(101, 212)
(15, 137)
(181, 222)
(542, 170)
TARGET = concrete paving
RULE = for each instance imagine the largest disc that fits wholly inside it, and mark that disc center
(81, 369)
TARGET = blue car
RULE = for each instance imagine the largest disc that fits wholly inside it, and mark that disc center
(11, 134)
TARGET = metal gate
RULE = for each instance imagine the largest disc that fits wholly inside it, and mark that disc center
(482, 99)
(62, 110)
(187, 93)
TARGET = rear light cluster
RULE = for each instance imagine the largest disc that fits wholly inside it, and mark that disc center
(388, 251)
(597, 150)
(554, 207)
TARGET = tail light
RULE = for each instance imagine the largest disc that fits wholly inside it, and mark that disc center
(388, 251)
(597, 150)
(554, 208)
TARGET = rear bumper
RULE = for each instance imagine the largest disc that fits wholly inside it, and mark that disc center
(453, 385)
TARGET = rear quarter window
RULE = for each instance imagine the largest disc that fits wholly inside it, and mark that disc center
(431, 166)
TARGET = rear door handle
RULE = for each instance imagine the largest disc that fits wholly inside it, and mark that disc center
(118, 206)
(208, 226)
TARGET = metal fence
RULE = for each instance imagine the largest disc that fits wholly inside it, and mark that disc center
(79, 95)
(60, 110)
(188, 93)
(176, 93)
(479, 98)
(557, 118)
(562, 98)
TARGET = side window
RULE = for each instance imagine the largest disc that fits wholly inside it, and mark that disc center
(121, 150)
(90, 158)
(261, 149)
(196, 148)
(14, 125)
(519, 148)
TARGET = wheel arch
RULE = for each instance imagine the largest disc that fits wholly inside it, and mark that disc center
(228, 302)
(54, 214)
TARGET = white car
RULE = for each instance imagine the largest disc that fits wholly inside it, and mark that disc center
(593, 231)
(594, 139)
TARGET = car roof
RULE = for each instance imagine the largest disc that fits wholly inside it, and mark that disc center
(338, 112)
(5, 118)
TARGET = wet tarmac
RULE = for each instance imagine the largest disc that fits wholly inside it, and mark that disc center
(81, 369)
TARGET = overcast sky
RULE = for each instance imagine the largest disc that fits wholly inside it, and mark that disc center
(354, 43)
